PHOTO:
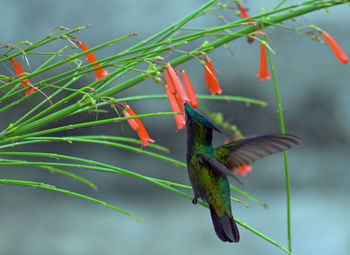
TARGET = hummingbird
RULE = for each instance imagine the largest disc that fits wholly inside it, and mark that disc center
(208, 167)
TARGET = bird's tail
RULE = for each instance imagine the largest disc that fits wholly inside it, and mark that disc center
(225, 227)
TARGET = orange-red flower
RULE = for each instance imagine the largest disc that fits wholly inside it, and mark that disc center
(243, 12)
(210, 78)
(243, 170)
(176, 107)
(179, 106)
(263, 74)
(138, 127)
(180, 91)
(189, 89)
(132, 122)
(100, 73)
(338, 52)
(20, 74)
(170, 83)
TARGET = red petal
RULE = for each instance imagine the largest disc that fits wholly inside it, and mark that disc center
(144, 137)
(263, 74)
(338, 52)
(100, 73)
(189, 89)
(178, 85)
(132, 122)
(244, 13)
(169, 82)
(26, 83)
(142, 133)
(210, 79)
(176, 107)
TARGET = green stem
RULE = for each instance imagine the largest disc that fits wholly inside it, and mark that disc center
(67, 192)
(56, 92)
(245, 225)
(42, 42)
(73, 126)
(248, 101)
(285, 155)
(246, 195)
(71, 175)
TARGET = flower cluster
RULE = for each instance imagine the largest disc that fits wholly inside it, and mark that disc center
(263, 72)
(135, 123)
(178, 94)
(181, 92)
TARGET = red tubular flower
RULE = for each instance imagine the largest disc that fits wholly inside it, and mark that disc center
(190, 91)
(132, 122)
(179, 106)
(243, 170)
(100, 73)
(170, 82)
(176, 107)
(20, 74)
(104, 73)
(263, 74)
(178, 85)
(210, 78)
(141, 131)
(338, 52)
(243, 12)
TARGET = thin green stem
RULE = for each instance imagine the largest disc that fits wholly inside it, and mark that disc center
(245, 225)
(246, 195)
(285, 155)
(71, 175)
(42, 42)
(248, 101)
(85, 140)
(61, 62)
(41, 185)
(56, 92)
(164, 33)
(73, 126)
(279, 4)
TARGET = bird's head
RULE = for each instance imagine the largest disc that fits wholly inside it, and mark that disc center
(193, 116)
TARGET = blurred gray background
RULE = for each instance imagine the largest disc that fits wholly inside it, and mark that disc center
(315, 94)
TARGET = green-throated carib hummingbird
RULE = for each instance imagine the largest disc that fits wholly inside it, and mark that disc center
(209, 167)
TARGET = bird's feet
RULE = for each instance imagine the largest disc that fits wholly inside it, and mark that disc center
(194, 201)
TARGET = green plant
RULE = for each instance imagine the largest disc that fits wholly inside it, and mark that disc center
(63, 100)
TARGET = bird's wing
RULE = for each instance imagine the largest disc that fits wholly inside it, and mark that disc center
(248, 150)
(214, 165)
